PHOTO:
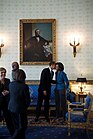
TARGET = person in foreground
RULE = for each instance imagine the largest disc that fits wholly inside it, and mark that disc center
(62, 84)
(18, 104)
(4, 99)
(44, 91)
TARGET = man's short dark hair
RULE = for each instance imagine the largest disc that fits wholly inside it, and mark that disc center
(15, 65)
(51, 63)
(37, 30)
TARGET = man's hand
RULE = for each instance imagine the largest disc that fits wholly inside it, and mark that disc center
(5, 92)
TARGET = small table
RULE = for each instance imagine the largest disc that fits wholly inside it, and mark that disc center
(81, 97)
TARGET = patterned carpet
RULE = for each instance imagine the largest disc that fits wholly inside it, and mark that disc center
(46, 132)
(56, 129)
(55, 123)
(42, 122)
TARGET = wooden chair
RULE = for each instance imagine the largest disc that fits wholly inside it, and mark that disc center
(78, 114)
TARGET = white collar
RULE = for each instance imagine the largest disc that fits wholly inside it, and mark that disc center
(50, 69)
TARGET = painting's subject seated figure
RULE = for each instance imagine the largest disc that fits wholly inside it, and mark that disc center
(37, 49)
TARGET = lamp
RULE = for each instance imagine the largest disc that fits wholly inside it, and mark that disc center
(81, 80)
(74, 45)
(1, 45)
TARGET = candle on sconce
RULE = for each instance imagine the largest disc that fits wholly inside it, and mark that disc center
(1, 45)
(1, 42)
(74, 39)
(78, 40)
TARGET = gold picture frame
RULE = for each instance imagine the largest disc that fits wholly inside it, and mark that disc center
(37, 49)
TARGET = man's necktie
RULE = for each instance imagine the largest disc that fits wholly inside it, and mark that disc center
(52, 73)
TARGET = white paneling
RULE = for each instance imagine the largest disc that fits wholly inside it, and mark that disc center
(71, 16)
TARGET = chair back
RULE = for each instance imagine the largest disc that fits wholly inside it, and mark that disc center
(88, 106)
(87, 102)
(79, 114)
(70, 96)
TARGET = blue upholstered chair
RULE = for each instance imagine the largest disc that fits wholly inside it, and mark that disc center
(71, 96)
(78, 114)
(33, 89)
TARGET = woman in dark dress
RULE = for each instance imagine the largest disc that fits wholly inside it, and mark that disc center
(4, 99)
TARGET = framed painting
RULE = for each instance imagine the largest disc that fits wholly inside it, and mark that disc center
(37, 41)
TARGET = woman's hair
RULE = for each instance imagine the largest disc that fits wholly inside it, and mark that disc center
(60, 65)
(1, 69)
(20, 75)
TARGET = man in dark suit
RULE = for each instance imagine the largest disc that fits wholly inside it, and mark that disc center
(15, 67)
(44, 91)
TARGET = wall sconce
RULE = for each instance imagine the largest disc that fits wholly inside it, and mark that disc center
(74, 45)
(1, 45)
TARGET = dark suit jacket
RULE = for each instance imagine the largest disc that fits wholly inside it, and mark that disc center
(19, 97)
(45, 81)
(3, 87)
